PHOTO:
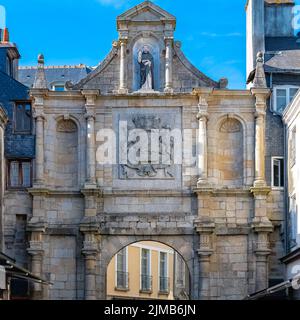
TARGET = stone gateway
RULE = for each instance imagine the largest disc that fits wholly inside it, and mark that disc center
(216, 210)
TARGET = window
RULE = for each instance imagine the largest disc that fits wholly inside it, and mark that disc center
(58, 87)
(122, 270)
(179, 271)
(283, 95)
(19, 174)
(163, 273)
(146, 279)
(278, 172)
(293, 222)
(9, 66)
(23, 117)
(293, 148)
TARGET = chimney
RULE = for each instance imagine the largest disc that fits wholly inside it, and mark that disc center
(5, 36)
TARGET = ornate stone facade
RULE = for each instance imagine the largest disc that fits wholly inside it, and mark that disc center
(217, 211)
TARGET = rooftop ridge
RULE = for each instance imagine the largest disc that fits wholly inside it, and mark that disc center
(78, 66)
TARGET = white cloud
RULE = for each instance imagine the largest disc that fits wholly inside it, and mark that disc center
(114, 3)
(220, 35)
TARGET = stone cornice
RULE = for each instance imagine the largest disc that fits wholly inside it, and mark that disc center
(34, 92)
(264, 190)
(36, 225)
(53, 192)
(214, 191)
(265, 92)
(146, 193)
(262, 226)
(87, 192)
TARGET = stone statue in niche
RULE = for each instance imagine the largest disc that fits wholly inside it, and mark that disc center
(146, 62)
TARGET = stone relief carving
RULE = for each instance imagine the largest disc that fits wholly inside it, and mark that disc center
(230, 126)
(66, 126)
(149, 170)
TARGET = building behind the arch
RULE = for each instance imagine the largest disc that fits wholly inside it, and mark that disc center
(217, 211)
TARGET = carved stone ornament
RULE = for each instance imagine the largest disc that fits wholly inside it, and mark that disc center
(149, 170)
(230, 126)
(66, 126)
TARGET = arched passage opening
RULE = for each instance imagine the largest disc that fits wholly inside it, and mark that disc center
(148, 270)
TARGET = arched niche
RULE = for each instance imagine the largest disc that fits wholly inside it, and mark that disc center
(230, 153)
(154, 48)
(66, 154)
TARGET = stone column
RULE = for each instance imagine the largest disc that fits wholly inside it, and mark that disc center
(205, 230)
(90, 229)
(169, 64)
(262, 227)
(91, 152)
(39, 149)
(90, 252)
(202, 142)
(123, 83)
(38, 114)
(90, 115)
(261, 96)
(262, 252)
(36, 252)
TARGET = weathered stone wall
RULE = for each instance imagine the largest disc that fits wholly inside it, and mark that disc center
(160, 209)
(18, 209)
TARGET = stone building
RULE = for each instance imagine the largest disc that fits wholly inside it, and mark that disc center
(292, 259)
(90, 199)
(3, 121)
(19, 151)
(270, 30)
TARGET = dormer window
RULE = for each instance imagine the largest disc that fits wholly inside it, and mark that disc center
(9, 66)
(22, 118)
(282, 96)
(58, 86)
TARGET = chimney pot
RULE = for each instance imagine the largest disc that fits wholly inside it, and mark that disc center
(5, 37)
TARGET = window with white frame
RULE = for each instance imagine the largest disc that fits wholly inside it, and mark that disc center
(146, 279)
(163, 272)
(277, 172)
(282, 96)
(122, 270)
(58, 86)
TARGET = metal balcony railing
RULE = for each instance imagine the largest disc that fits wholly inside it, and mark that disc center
(146, 283)
(122, 280)
(164, 285)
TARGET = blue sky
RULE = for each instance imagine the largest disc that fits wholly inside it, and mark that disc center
(76, 31)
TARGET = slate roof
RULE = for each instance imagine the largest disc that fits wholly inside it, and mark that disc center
(283, 61)
(54, 74)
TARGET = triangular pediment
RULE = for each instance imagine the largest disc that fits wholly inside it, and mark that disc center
(146, 11)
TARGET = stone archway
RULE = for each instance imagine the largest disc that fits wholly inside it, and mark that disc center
(183, 245)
